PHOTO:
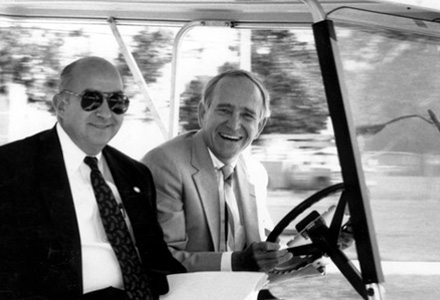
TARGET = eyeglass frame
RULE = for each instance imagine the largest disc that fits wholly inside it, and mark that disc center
(105, 96)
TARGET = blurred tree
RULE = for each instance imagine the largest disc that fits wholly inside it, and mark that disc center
(151, 49)
(290, 71)
(390, 74)
(9, 39)
(386, 69)
(30, 56)
(190, 99)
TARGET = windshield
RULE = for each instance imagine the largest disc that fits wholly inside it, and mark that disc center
(392, 79)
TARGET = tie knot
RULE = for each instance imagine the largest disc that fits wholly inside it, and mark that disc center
(92, 162)
(227, 171)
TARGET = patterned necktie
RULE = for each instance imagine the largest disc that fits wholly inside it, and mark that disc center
(136, 283)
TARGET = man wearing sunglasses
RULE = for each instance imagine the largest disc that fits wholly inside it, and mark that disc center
(78, 217)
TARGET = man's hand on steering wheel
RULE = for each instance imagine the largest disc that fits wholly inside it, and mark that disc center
(262, 256)
(346, 237)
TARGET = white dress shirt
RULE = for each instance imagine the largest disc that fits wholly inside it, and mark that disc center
(265, 222)
(100, 267)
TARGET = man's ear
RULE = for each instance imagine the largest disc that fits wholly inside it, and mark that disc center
(59, 103)
(201, 112)
(261, 126)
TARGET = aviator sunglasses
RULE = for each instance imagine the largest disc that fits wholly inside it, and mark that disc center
(91, 100)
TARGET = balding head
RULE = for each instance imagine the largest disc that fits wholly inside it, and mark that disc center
(86, 72)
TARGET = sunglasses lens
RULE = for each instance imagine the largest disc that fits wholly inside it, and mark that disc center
(118, 103)
(91, 100)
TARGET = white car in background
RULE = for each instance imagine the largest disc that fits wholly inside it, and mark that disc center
(299, 162)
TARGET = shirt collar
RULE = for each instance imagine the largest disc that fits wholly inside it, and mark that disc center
(73, 155)
(218, 164)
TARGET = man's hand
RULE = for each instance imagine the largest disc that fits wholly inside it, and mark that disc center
(262, 256)
(346, 237)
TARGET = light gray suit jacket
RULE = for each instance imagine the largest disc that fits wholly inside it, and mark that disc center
(188, 200)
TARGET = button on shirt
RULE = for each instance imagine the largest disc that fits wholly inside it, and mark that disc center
(100, 267)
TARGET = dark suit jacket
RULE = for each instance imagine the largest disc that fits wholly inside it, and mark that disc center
(40, 248)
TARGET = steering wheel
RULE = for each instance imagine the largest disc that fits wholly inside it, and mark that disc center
(324, 238)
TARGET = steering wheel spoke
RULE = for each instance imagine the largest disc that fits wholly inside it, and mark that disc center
(336, 224)
(324, 239)
(321, 237)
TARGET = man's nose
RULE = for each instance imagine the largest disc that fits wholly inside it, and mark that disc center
(104, 110)
(234, 121)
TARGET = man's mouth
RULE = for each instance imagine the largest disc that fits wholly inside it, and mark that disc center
(101, 126)
(229, 137)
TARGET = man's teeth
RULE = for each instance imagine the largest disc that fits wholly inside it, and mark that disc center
(230, 137)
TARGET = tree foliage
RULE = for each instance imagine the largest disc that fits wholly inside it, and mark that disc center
(23, 60)
(190, 99)
(388, 75)
(151, 49)
(289, 69)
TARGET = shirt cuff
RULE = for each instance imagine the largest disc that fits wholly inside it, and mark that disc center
(226, 262)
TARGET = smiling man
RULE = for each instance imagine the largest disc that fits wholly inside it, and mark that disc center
(212, 221)
(78, 217)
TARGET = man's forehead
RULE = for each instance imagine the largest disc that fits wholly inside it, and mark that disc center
(103, 81)
(89, 72)
(235, 105)
(237, 87)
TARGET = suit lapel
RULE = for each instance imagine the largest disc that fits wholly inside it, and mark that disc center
(118, 173)
(132, 196)
(128, 192)
(205, 176)
(247, 200)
